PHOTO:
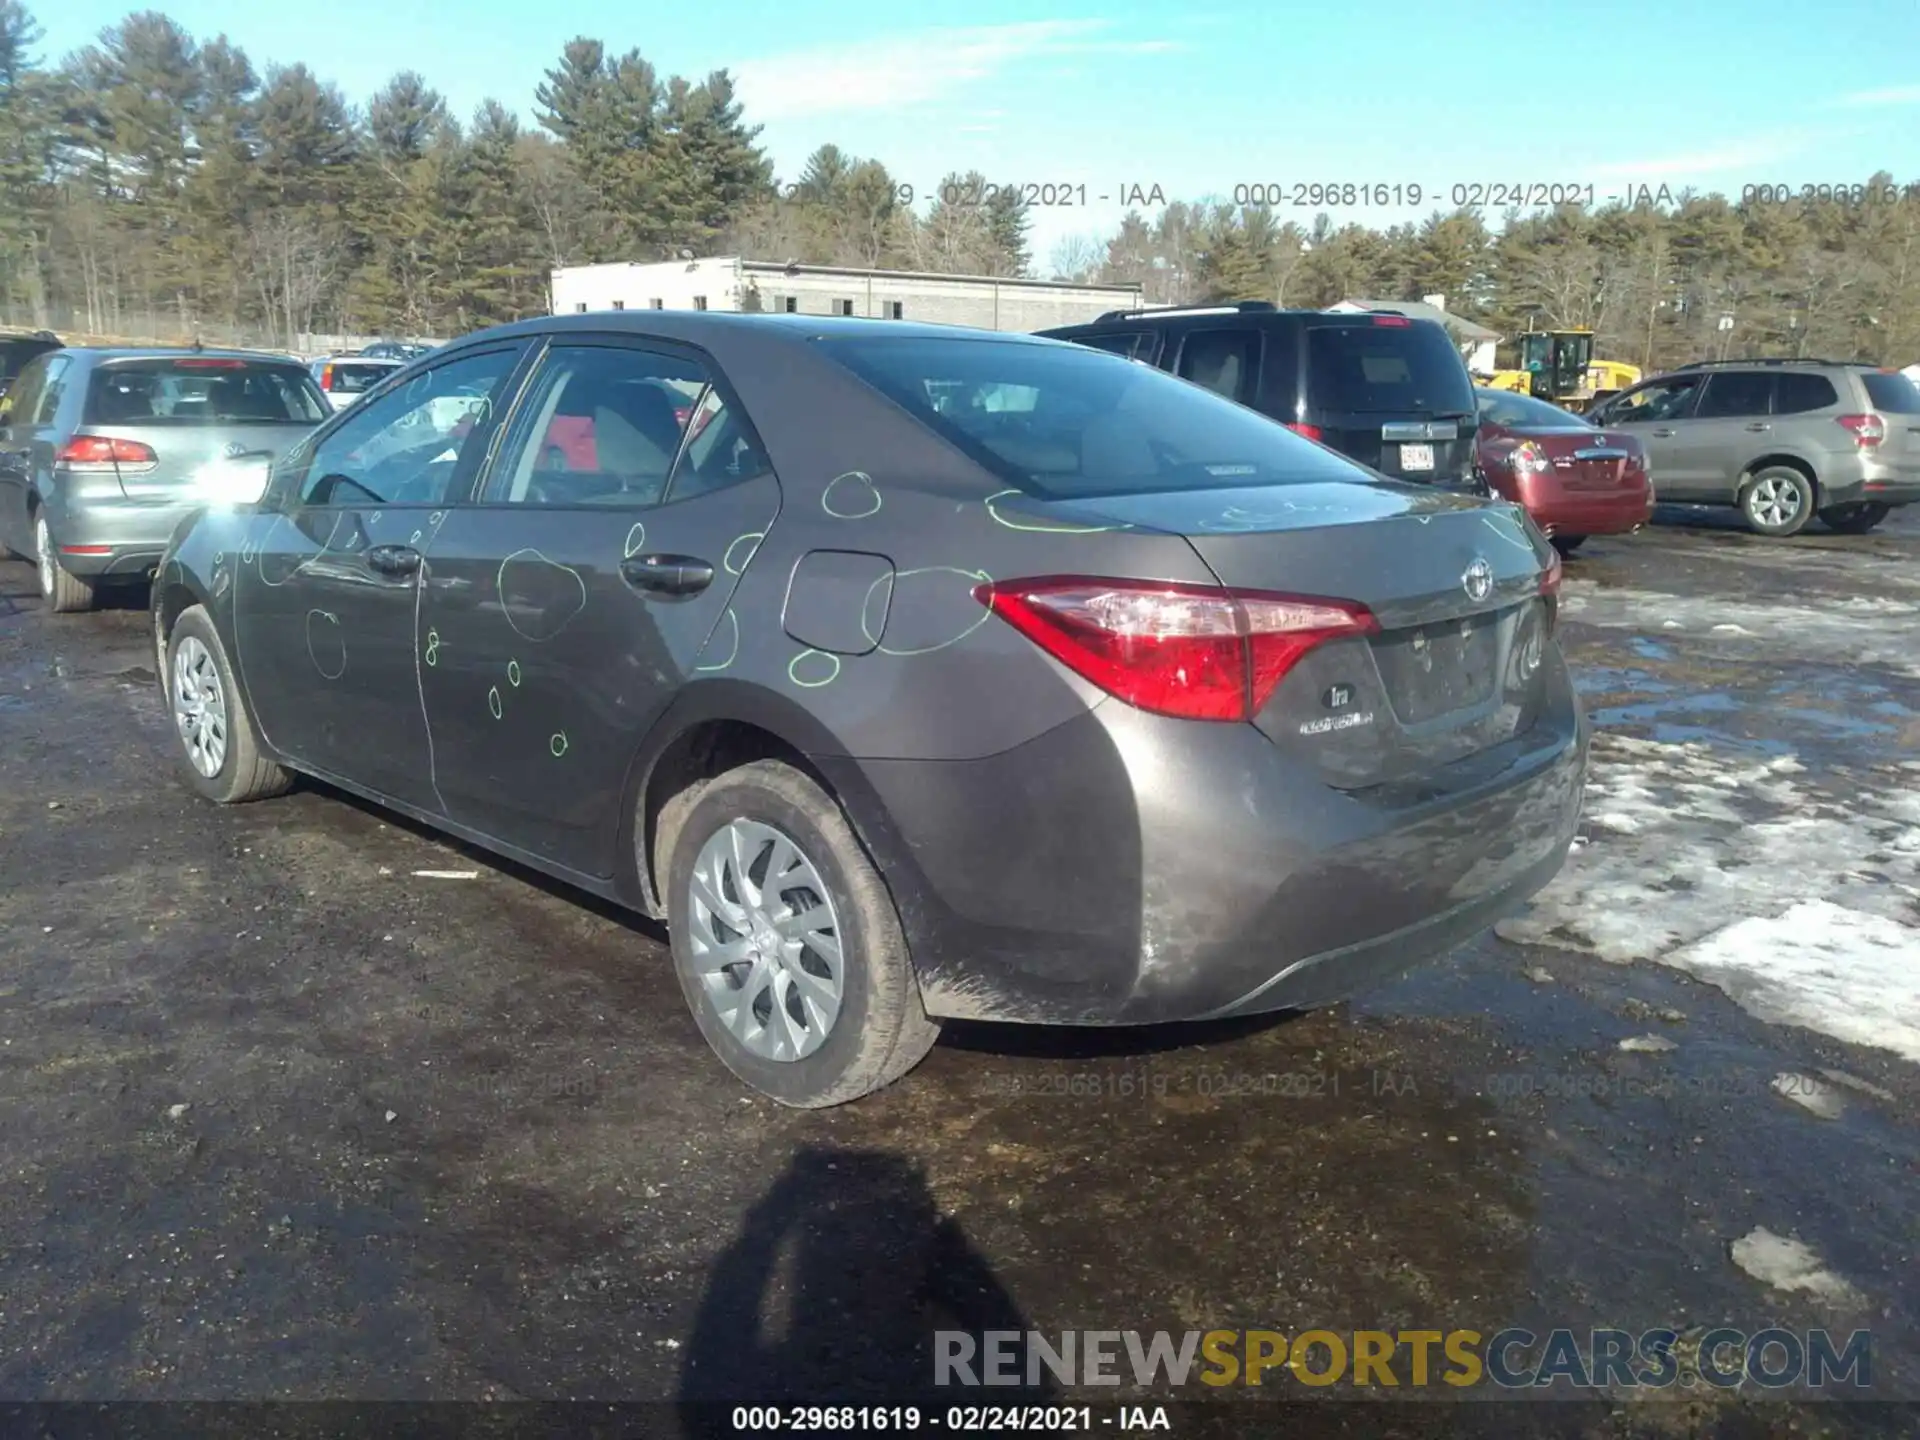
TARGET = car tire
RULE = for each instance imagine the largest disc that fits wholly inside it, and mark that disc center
(197, 661)
(879, 1029)
(65, 594)
(1567, 544)
(1778, 501)
(1857, 518)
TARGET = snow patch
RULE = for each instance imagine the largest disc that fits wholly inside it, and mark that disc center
(1863, 630)
(1801, 908)
(1810, 1095)
(1788, 1264)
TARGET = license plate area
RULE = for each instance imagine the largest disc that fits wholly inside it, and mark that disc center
(1416, 457)
(1434, 670)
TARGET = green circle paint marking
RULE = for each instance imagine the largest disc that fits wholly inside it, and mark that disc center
(636, 540)
(1049, 529)
(986, 611)
(513, 673)
(854, 506)
(732, 621)
(726, 560)
(558, 744)
(493, 701)
(433, 647)
(793, 669)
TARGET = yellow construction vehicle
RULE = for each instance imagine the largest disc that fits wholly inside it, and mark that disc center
(1560, 367)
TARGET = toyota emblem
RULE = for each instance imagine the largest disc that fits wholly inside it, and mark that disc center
(233, 450)
(1478, 581)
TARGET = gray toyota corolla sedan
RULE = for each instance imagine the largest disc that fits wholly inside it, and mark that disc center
(908, 672)
(102, 452)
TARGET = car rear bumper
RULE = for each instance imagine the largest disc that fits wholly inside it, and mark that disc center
(1889, 492)
(1129, 869)
(112, 539)
(1575, 512)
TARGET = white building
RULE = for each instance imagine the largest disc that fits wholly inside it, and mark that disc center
(1477, 343)
(731, 283)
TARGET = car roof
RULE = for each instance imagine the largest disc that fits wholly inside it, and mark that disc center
(1181, 314)
(100, 354)
(695, 326)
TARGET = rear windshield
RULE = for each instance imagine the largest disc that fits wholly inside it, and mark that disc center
(18, 352)
(1410, 369)
(1895, 393)
(195, 391)
(350, 377)
(1064, 421)
(1522, 412)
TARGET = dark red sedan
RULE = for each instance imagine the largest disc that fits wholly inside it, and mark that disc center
(1573, 478)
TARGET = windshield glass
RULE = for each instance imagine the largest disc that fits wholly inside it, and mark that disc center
(202, 391)
(1061, 421)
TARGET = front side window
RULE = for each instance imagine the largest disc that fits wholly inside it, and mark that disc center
(1662, 400)
(407, 446)
(1082, 423)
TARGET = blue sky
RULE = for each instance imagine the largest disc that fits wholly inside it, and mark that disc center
(1712, 93)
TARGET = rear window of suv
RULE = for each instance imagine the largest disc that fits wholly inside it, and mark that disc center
(1062, 422)
(1892, 392)
(1410, 369)
(196, 391)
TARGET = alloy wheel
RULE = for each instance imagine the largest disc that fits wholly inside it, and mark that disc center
(1775, 502)
(200, 706)
(766, 941)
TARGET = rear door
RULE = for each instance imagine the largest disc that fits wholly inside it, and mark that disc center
(566, 605)
(1394, 394)
(190, 412)
(1225, 359)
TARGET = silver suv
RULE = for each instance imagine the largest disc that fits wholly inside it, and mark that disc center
(1784, 440)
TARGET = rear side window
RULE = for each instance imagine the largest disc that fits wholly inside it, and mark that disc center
(202, 391)
(1733, 394)
(1365, 369)
(1894, 394)
(1062, 422)
(1224, 361)
(1798, 394)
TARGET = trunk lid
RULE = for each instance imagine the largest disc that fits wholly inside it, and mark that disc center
(1394, 394)
(1459, 663)
(192, 412)
(1587, 460)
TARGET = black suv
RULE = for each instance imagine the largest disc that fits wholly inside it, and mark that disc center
(1387, 390)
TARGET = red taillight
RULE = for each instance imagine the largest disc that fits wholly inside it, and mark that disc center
(1195, 652)
(1312, 432)
(1868, 430)
(1527, 458)
(326, 377)
(103, 450)
(1391, 320)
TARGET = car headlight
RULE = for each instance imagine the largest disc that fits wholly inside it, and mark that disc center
(241, 481)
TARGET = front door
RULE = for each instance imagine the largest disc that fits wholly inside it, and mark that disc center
(1656, 413)
(586, 582)
(327, 595)
(26, 444)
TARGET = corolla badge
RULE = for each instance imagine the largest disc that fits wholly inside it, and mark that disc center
(1478, 579)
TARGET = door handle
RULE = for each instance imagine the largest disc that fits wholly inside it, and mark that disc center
(1759, 425)
(394, 560)
(1664, 433)
(667, 574)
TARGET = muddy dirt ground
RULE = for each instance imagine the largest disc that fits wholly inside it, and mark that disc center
(281, 1118)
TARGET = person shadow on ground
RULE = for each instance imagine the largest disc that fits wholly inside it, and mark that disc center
(833, 1294)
